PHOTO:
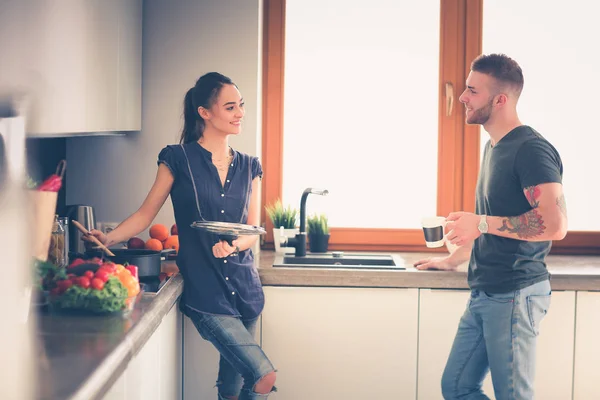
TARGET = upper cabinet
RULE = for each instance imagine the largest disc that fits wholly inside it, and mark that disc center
(77, 62)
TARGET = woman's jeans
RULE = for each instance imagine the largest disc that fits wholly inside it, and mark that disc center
(497, 332)
(242, 363)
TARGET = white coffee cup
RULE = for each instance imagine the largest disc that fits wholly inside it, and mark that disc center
(433, 230)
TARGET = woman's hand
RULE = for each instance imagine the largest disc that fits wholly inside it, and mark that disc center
(89, 243)
(223, 249)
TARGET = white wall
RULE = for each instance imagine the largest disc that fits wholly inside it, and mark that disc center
(182, 40)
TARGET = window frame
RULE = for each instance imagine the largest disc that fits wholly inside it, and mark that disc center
(458, 143)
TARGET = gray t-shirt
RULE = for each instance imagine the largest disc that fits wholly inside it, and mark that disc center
(520, 159)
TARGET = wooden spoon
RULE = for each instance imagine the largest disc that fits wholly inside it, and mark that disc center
(94, 238)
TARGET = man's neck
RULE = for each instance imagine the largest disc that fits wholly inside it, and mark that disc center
(498, 129)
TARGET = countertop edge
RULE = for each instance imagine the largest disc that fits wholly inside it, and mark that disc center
(111, 368)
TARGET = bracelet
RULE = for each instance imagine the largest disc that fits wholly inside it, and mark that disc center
(236, 251)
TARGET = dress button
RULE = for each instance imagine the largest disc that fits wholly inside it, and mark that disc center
(222, 211)
(224, 261)
(227, 180)
(222, 194)
(232, 165)
(233, 293)
(226, 278)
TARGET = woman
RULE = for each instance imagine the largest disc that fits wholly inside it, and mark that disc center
(208, 180)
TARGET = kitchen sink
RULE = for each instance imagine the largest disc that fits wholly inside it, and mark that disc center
(340, 260)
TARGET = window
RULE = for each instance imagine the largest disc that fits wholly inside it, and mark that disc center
(559, 98)
(367, 107)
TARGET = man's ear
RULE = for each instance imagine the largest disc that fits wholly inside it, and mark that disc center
(501, 99)
(204, 113)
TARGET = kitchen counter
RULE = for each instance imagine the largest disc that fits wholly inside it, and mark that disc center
(80, 357)
(568, 272)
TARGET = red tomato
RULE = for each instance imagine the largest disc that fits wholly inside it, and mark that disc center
(102, 274)
(76, 262)
(89, 274)
(84, 282)
(64, 285)
(97, 284)
(106, 269)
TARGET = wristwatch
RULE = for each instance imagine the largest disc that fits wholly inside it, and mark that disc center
(483, 225)
(235, 252)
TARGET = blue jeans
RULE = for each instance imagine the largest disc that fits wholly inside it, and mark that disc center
(497, 333)
(242, 363)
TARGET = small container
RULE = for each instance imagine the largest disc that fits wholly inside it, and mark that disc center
(57, 251)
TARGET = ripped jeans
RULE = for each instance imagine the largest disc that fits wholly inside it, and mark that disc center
(242, 363)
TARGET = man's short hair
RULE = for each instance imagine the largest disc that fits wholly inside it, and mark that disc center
(503, 68)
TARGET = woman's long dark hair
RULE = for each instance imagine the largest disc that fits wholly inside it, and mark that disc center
(203, 94)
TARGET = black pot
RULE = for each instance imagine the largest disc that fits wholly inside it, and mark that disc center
(318, 243)
(147, 261)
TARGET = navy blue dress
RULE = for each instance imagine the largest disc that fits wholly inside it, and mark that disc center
(222, 286)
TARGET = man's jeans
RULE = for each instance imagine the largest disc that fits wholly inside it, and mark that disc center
(498, 332)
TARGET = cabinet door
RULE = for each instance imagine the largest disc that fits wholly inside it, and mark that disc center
(155, 372)
(439, 314)
(77, 62)
(101, 58)
(342, 343)
(587, 351)
(129, 82)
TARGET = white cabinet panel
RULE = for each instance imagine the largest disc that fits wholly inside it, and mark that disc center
(77, 62)
(587, 351)
(342, 343)
(439, 314)
(155, 372)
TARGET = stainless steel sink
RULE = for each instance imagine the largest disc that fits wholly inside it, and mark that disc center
(340, 260)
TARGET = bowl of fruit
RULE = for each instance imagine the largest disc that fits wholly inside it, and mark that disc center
(96, 287)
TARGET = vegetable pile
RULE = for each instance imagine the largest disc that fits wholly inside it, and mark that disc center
(95, 286)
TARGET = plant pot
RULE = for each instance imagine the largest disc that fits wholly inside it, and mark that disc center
(318, 243)
(289, 233)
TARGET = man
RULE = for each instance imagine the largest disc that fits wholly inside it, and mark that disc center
(520, 209)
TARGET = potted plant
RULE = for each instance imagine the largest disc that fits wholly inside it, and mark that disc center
(318, 233)
(285, 221)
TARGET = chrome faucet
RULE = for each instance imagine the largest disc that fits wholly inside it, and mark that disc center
(299, 242)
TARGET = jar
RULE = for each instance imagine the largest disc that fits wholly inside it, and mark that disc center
(57, 251)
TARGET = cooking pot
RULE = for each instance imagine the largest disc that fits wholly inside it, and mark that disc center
(147, 261)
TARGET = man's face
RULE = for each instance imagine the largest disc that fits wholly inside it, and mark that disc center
(478, 98)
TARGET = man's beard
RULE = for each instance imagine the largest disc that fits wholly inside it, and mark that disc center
(481, 115)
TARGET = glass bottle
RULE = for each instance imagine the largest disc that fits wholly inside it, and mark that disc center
(56, 251)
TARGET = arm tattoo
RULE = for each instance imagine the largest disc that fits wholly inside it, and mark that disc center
(524, 226)
(533, 194)
(562, 205)
(529, 224)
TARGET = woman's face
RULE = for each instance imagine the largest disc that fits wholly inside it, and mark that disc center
(227, 113)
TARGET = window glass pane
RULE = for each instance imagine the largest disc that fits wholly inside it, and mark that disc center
(556, 44)
(361, 109)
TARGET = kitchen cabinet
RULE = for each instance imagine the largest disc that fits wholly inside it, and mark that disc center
(79, 62)
(587, 351)
(342, 343)
(201, 363)
(155, 371)
(439, 314)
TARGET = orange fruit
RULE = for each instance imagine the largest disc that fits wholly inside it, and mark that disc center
(154, 244)
(159, 231)
(172, 242)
